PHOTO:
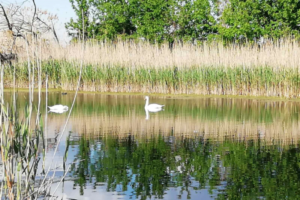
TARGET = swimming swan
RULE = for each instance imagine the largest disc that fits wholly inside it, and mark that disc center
(58, 108)
(152, 107)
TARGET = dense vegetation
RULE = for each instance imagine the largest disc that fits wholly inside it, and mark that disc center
(263, 81)
(160, 20)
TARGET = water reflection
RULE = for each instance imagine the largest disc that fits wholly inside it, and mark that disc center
(148, 168)
(213, 118)
(147, 113)
(59, 109)
(196, 148)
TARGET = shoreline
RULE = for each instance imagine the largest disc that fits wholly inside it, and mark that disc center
(167, 96)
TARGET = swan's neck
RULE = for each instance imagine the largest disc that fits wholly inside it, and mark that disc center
(147, 102)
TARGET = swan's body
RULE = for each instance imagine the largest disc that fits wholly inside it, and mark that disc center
(152, 107)
(58, 108)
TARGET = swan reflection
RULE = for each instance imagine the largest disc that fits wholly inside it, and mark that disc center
(147, 112)
(59, 109)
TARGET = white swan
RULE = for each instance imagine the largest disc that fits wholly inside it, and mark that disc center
(152, 107)
(58, 108)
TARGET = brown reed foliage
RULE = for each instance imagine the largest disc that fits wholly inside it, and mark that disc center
(281, 53)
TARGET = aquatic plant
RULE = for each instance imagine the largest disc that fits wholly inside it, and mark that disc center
(240, 80)
(20, 149)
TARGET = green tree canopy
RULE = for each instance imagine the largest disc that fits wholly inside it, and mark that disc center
(152, 18)
(260, 18)
(113, 18)
(161, 20)
(195, 20)
(83, 12)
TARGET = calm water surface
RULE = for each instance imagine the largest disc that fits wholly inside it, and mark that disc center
(197, 148)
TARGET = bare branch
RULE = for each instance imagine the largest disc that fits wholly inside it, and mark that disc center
(33, 1)
(21, 20)
(50, 28)
(6, 18)
(54, 32)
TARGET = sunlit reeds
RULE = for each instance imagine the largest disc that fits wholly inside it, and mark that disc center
(281, 53)
(124, 66)
(256, 81)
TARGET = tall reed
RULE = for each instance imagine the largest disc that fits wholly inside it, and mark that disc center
(136, 54)
(256, 81)
(127, 66)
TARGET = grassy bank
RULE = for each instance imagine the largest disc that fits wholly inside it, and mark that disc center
(240, 80)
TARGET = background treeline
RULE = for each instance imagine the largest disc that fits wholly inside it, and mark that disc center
(186, 20)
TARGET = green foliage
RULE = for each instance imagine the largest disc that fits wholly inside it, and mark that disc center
(255, 18)
(194, 20)
(20, 147)
(160, 20)
(113, 18)
(238, 80)
(85, 22)
(153, 20)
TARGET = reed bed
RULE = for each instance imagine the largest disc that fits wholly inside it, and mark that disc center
(210, 68)
(139, 54)
(256, 81)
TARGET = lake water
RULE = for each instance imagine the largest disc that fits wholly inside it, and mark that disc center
(197, 148)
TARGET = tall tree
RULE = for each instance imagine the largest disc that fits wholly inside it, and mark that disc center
(152, 18)
(114, 17)
(85, 19)
(195, 19)
(161, 20)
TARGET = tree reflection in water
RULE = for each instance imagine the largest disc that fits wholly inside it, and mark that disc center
(148, 167)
